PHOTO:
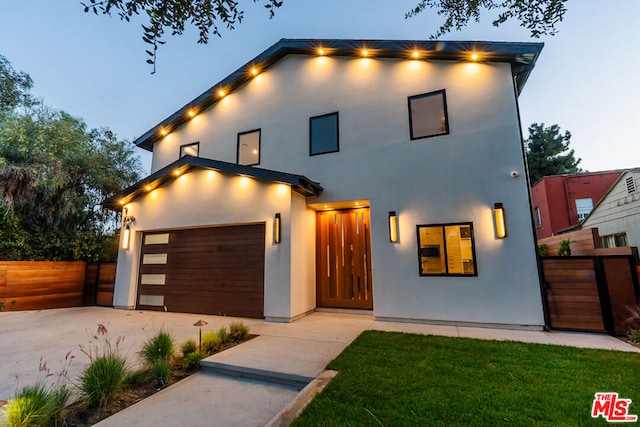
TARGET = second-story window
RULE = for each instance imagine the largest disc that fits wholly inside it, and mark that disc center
(249, 148)
(428, 115)
(190, 149)
(584, 207)
(323, 134)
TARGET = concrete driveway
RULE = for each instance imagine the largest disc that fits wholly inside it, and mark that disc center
(26, 336)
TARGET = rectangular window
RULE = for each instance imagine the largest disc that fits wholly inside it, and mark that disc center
(538, 218)
(428, 115)
(249, 148)
(614, 240)
(446, 250)
(323, 134)
(584, 207)
(190, 149)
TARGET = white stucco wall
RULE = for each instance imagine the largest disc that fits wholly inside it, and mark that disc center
(445, 179)
(619, 211)
(205, 198)
(303, 258)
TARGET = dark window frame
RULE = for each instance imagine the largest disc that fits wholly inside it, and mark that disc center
(240, 134)
(538, 217)
(197, 144)
(444, 245)
(441, 92)
(337, 150)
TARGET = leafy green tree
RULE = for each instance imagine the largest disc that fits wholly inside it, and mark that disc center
(14, 87)
(540, 17)
(54, 175)
(545, 148)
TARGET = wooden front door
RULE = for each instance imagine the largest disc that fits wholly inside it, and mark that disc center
(343, 257)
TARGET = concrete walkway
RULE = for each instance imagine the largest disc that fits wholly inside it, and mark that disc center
(265, 380)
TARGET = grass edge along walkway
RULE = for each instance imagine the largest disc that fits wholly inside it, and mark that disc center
(395, 379)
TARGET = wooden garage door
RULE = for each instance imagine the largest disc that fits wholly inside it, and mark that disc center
(216, 270)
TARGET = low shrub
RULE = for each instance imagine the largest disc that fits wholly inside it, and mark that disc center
(160, 346)
(191, 361)
(36, 406)
(102, 379)
(107, 370)
(210, 342)
(160, 371)
(188, 346)
(565, 248)
(238, 331)
(223, 334)
(634, 336)
(134, 378)
(543, 250)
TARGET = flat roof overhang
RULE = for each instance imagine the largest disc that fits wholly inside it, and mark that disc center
(298, 183)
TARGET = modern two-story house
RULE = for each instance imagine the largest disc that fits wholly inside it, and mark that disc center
(385, 176)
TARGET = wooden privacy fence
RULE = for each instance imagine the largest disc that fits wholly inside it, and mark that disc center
(585, 242)
(591, 293)
(37, 285)
(99, 280)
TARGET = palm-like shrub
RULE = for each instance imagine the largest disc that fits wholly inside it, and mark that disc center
(157, 353)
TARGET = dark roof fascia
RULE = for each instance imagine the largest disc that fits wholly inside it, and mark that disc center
(521, 56)
(298, 183)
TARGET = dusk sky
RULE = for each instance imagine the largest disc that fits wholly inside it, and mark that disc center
(94, 67)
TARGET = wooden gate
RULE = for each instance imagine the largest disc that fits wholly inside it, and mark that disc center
(343, 257)
(590, 293)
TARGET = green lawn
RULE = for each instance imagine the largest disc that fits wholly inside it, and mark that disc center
(394, 379)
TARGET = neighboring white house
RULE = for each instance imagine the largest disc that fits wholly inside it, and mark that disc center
(617, 216)
(358, 174)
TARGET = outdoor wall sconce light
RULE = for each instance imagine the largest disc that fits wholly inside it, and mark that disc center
(498, 215)
(393, 227)
(200, 323)
(276, 228)
(126, 232)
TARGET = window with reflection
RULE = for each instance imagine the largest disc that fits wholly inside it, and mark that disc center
(428, 115)
(249, 148)
(446, 250)
(190, 149)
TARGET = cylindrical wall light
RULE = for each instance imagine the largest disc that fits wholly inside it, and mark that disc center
(501, 226)
(126, 230)
(393, 227)
(276, 228)
(125, 237)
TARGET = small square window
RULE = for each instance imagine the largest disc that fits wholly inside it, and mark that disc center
(446, 250)
(190, 149)
(249, 148)
(428, 115)
(323, 134)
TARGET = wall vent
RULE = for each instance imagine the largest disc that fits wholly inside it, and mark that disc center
(631, 185)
